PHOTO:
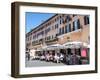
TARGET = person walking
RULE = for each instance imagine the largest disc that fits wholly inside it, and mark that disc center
(56, 58)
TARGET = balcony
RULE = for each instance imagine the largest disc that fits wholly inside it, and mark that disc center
(37, 42)
(34, 44)
(51, 40)
(41, 41)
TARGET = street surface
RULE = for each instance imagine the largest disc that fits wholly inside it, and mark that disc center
(39, 63)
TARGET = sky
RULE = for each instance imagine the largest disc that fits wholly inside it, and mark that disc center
(32, 19)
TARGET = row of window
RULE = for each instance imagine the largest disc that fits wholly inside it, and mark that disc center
(76, 25)
(46, 31)
(50, 37)
(46, 39)
(67, 19)
(67, 28)
(56, 19)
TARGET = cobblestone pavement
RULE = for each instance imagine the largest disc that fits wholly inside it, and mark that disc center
(37, 63)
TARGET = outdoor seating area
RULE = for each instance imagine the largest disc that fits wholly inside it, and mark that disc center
(72, 53)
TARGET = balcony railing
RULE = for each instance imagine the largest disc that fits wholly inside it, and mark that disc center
(33, 44)
(37, 42)
(51, 40)
(41, 41)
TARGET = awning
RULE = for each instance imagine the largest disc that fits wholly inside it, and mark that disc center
(53, 47)
(76, 44)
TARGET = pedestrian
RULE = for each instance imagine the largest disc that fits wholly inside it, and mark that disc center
(75, 59)
(56, 58)
(61, 57)
(69, 59)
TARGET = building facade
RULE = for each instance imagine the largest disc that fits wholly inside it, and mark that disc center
(59, 29)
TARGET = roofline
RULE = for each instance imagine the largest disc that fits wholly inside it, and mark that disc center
(39, 26)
